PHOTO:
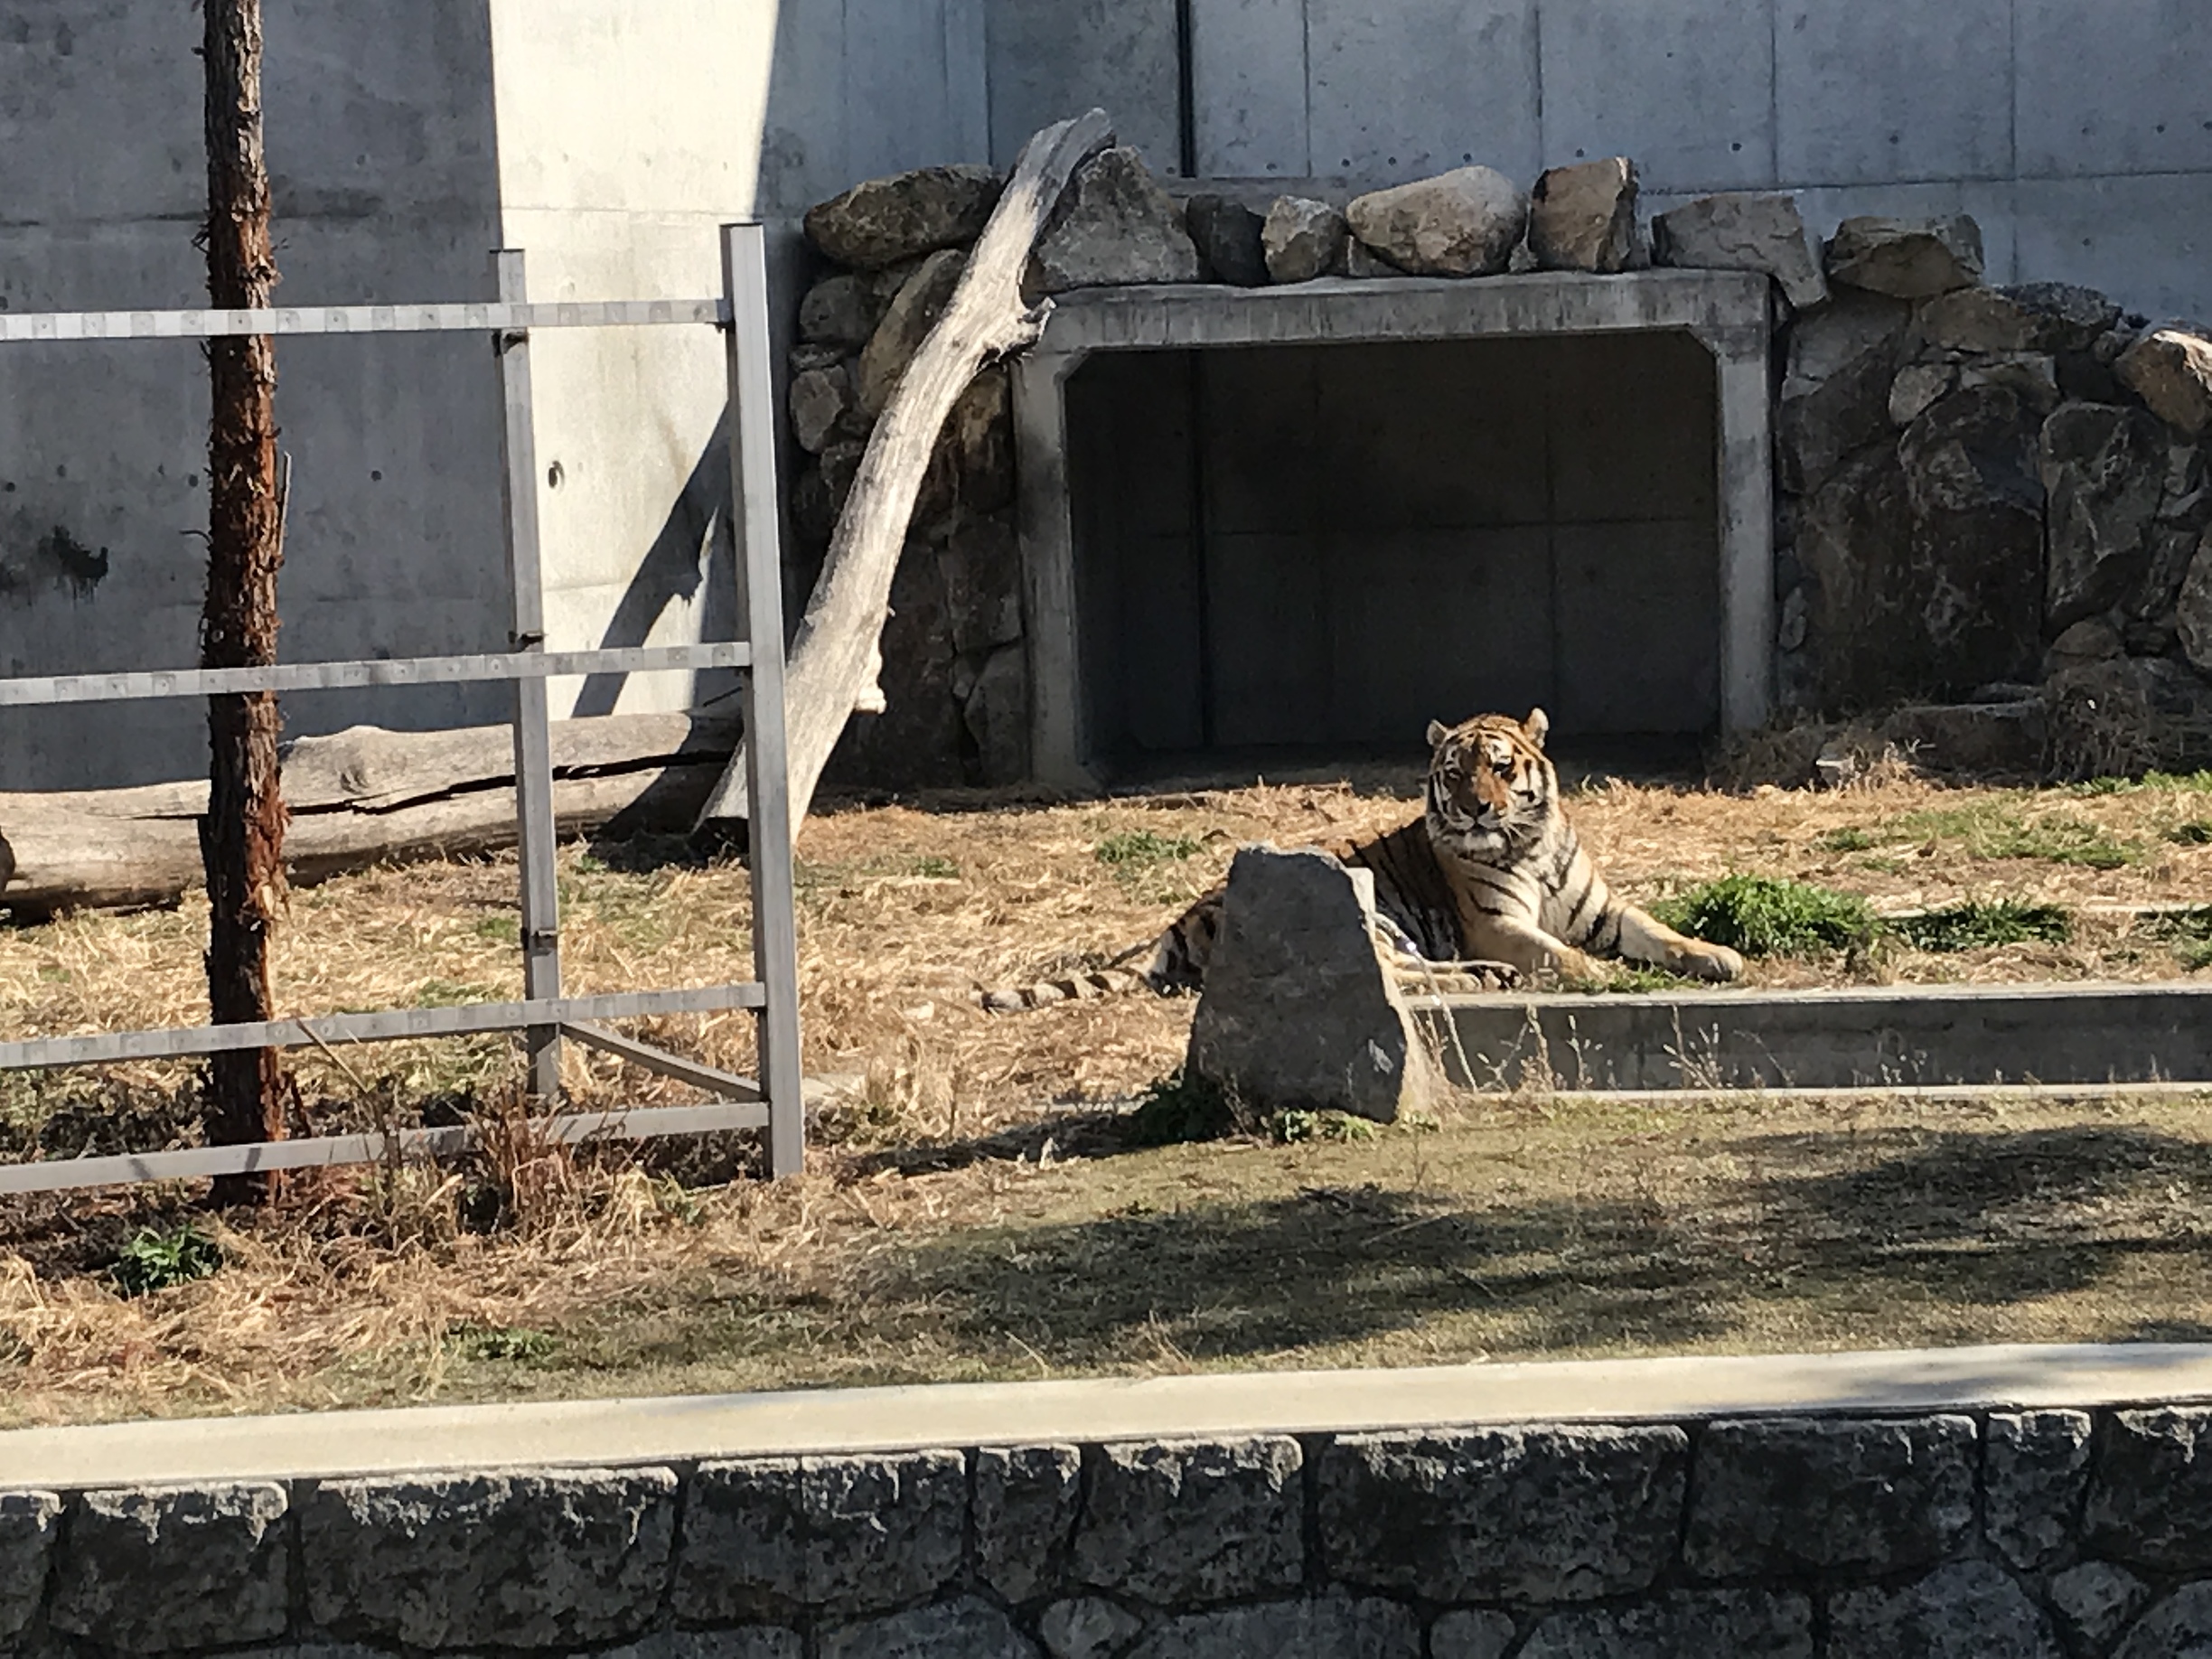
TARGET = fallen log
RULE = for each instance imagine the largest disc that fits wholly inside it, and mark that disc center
(835, 655)
(360, 797)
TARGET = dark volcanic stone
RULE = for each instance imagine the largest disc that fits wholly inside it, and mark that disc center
(1227, 236)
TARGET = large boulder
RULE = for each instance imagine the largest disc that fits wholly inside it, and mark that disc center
(1115, 227)
(1966, 1610)
(1836, 389)
(1911, 259)
(996, 713)
(2193, 609)
(1583, 217)
(2036, 316)
(1226, 234)
(2119, 718)
(2094, 1602)
(920, 302)
(1463, 223)
(917, 741)
(1298, 1010)
(2170, 369)
(884, 221)
(841, 310)
(1302, 238)
(1744, 231)
(2103, 469)
(819, 399)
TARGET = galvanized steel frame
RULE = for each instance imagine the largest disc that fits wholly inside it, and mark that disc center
(543, 1015)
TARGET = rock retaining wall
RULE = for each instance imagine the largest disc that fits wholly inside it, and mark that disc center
(2047, 1532)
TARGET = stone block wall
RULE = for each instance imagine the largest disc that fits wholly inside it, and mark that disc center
(2027, 1534)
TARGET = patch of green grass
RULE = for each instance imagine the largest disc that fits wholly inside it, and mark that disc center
(1294, 1126)
(1763, 915)
(1849, 839)
(2175, 783)
(1990, 829)
(1179, 1107)
(1625, 979)
(1977, 925)
(2189, 932)
(2194, 833)
(452, 994)
(159, 1259)
(500, 930)
(514, 1346)
(1140, 850)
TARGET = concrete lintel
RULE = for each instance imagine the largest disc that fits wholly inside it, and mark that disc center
(626, 1432)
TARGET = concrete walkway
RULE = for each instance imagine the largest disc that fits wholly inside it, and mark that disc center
(676, 1429)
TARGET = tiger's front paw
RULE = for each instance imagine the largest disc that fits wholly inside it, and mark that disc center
(1715, 964)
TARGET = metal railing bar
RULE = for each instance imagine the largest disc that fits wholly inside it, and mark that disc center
(377, 671)
(439, 319)
(651, 1059)
(386, 1025)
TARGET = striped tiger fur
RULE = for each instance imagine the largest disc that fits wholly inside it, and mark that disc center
(1527, 892)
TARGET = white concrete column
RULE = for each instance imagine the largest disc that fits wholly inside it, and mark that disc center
(1745, 500)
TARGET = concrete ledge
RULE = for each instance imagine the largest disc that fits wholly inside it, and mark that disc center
(2084, 1034)
(615, 1432)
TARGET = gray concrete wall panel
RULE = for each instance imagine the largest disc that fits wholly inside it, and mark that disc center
(2113, 86)
(1052, 59)
(1248, 89)
(2146, 240)
(1398, 92)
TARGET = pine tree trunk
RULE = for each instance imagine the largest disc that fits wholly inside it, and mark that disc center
(241, 839)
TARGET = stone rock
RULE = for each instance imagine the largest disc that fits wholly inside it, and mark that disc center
(29, 1522)
(1835, 392)
(1298, 1010)
(1471, 1633)
(1788, 1494)
(1532, 1515)
(146, 1571)
(1738, 1623)
(1977, 502)
(2193, 609)
(1917, 386)
(1463, 223)
(2093, 639)
(1744, 231)
(819, 399)
(1796, 620)
(918, 741)
(2179, 1628)
(1363, 264)
(2119, 718)
(996, 712)
(2035, 1467)
(1912, 258)
(805, 358)
(884, 221)
(2041, 317)
(981, 564)
(1970, 739)
(2101, 469)
(1302, 238)
(2170, 369)
(1968, 1610)
(840, 312)
(2095, 1601)
(970, 1628)
(1334, 1626)
(1025, 1500)
(1191, 1522)
(1114, 226)
(766, 1537)
(759, 1641)
(2034, 377)
(2151, 1502)
(1087, 1628)
(1226, 234)
(540, 1560)
(1583, 217)
(920, 302)
(2185, 498)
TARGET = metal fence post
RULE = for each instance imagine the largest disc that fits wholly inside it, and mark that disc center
(533, 747)
(755, 523)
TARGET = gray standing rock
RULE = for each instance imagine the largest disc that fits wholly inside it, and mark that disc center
(1302, 238)
(1744, 231)
(1088, 1628)
(1297, 1009)
(1114, 226)
(1835, 394)
(819, 399)
(1917, 388)
(1911, 259)
(970, 1628)
(2095, 1601)
(2032, 376)
(2179, 1628)
(1471, 1633)
(1227, 235)
(146, 1571)
(1583, 217)
(1025, 1499)
(841, 311)
(29, 1522)
(2118, 717)
(1741, 1624)
(2038, 316)
(2151, 1501)
(2103, 469)
(1192, 1523)
(1463, 223)
(1788, 1494)
(764, 1538)
(1969, 1610)
(1980, 739)
(2035, 1468)
(1334, 1626)
(549, 1560)
(921, 300)
(1504, 1515)
(2193, 609)
(2170, 369)
(982, 562)
(881, 221)
(996, 711)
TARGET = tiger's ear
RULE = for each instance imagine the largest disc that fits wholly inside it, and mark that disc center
(1437, 733)
(1537, 723)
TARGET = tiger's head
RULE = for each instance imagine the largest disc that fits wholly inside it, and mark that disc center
(1490, 786)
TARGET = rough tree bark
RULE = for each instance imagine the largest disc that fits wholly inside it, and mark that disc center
(242, 836)
(834, 656)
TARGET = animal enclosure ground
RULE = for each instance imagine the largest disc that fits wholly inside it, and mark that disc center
(931, 1244)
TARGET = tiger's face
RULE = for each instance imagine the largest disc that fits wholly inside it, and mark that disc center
(1489, 782)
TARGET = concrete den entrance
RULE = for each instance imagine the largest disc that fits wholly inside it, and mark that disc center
(1282, 525)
